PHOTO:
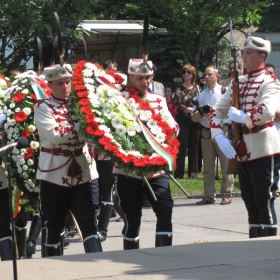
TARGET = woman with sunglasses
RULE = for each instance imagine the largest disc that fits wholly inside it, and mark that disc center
(189, 131)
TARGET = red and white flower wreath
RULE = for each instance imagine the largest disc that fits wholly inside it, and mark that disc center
(107, 116)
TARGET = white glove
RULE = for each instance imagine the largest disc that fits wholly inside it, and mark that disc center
(225, 146)
(236, 115)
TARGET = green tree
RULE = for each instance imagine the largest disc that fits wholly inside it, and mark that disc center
(270, 17)
(22, 21)
(194, 28)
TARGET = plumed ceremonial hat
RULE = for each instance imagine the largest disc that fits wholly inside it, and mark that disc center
(56, 72)
(141, 67)
(257, 43)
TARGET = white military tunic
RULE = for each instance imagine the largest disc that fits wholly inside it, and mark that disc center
(259, 98)
(62, 160)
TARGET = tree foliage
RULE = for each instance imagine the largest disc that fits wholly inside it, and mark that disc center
(270, 17)
(193, 27)
(22, 21)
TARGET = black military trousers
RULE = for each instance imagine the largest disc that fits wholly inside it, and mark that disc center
(259, 181)
(130, 192)
(106, 179)
(4, 214)
(55, 201)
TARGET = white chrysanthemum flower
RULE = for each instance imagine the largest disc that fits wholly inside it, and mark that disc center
(145, 115)
(27, 111)
(15, 151)
(117, 121)
(120, 129)
(19, 170)
(100, 94)
(18, 164)
(23, 151)
(9, 112)
(9, 136)
(131, 131)
(32, 128)
(14, 157)
(22, 161)
(112, 92)
(104, 128)
(97, 119)
(15, 82)
(87, 72)
(16, 130)
(137, 111)
(34, 145)
(135, 154)
(5, 126)
(160, 137)
(152, 123)
(13, 122)
(132, 101)
(109, 135)
(88, 81)
(90, 66)
(137, 127)
(122, 108)
(127, 115)
(24, 167)
(25, 91)
(90, 87)
(156, 130)
(10, 130)
(2, 93)
(17, 110)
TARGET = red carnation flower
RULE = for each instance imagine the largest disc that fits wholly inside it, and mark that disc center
(29, 153)
(25, 133)
(20, 117)
(18, 97)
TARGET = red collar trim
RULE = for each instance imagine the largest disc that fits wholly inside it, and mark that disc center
(256, 72)
(57, 99)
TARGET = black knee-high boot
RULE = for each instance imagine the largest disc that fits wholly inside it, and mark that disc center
(43, 241)
(6, 248)
(163, 240)
(254, 231)
(35, 229)
(21, 241)
(92, 244)
(130, 244)
(52, 250)
(268, 231)
(104, 219)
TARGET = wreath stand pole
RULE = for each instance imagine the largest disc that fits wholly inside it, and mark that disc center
(149, 187)
(178, 184)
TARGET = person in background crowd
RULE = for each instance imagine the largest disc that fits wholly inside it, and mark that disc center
(108, 65)
(94, 58)
(130, 187)
(259, 158)
(270, 68)
(189, 130)
(63, 169)
(170, 100)
(210, 96)
(227, 81)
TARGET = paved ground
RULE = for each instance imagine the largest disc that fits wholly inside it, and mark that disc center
(210, 242)
(191, 224)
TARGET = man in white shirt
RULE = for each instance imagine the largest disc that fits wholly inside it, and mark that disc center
(210, 96)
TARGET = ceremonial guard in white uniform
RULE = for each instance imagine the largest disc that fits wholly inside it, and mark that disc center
(63, 170)
(130, 187)
(259, 164)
